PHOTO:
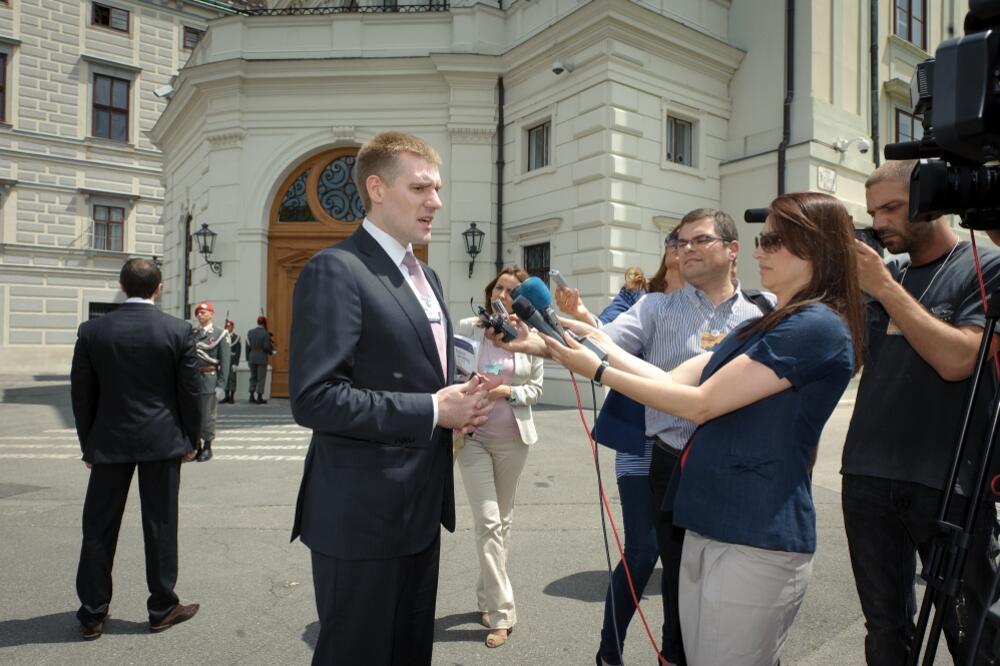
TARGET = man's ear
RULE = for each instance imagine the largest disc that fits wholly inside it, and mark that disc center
(734, 250)
(374, 185)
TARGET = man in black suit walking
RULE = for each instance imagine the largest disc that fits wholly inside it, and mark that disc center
(370, 370)
(134, 385)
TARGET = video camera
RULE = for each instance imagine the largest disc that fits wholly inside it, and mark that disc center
(958, 94)
(498, 321)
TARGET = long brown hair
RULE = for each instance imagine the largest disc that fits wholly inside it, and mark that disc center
(817, 227)
(519, 274)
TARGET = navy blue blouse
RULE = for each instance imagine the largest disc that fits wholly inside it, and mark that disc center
(746, 476)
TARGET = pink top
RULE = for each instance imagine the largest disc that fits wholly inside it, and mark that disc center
(497, 365)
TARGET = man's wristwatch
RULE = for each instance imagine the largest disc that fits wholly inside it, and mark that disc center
(600, 372)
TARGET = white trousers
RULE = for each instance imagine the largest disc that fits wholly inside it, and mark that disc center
(490, 471)
(737, 603)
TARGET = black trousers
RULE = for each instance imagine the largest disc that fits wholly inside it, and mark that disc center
(670, 541)
(159, 483)
(888, 523)
(376, 612)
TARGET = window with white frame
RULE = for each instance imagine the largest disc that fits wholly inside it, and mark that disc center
(908, 126)
(109, 227)
(680, 141)
(3, 86)
(111, 107)
(109, 17)
(538, 138)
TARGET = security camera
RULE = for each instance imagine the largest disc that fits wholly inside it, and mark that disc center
(164, 91)
(558, 67)
(864, 145)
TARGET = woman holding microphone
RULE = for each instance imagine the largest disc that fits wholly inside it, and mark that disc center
(493, 456)
(761, 400)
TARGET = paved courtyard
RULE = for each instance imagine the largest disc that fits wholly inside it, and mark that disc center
(255, 587)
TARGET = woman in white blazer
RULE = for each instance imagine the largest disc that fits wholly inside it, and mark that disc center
(494, 455)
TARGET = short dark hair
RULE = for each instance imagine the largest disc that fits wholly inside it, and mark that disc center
(140, 278)
(725, 226)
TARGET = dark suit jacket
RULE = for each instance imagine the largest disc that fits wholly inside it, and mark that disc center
(134, 385)
(363, 365)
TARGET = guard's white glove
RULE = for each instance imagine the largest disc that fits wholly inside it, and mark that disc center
(219, 393)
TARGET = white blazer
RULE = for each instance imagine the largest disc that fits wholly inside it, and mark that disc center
(526, 385)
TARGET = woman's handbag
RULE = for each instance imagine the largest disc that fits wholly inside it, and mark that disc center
(621, 424)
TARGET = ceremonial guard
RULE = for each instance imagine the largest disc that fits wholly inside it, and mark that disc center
(236, 345)
(214, 357)
(259, 347)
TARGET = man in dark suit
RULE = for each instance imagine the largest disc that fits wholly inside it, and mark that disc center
(134, 386)
(370, 371)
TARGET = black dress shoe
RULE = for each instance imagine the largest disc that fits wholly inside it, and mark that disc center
(205, 454)
(92, 632)
(180, 613)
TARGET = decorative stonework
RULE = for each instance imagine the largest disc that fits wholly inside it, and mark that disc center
(232, 138)
(471, 134)
(344, 133)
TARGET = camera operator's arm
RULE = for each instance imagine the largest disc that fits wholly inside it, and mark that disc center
(950, 350)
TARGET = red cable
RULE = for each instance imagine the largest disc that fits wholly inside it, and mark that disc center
(614, 529)
(995, 481)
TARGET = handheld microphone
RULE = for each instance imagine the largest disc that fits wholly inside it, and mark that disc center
(529, 314)
(538, 294)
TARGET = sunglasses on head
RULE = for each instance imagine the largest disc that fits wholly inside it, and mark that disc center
(769, 241)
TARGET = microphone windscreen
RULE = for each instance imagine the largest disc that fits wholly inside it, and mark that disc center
(536, 292)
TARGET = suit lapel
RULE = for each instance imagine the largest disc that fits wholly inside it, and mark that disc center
(392, 279)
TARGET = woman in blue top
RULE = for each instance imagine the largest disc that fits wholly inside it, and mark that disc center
(761, 399)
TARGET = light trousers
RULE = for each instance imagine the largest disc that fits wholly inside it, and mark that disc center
(490, 471)
(737, 602)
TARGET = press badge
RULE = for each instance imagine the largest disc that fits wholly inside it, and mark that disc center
(493, 368)
(710, 338)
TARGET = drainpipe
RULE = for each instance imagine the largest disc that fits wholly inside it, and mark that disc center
(873, 74)
(786, 114)
(500, 164)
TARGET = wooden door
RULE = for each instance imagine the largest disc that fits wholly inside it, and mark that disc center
(303, 222)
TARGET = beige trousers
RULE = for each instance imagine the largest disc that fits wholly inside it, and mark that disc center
(737, 603)
(490, 471)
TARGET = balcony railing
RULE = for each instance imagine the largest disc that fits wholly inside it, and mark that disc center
(369, 7)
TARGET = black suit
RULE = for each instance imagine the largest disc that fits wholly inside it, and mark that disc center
(134, 386)
(378, 479)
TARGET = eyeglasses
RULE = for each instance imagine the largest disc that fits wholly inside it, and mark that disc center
(698, 241)
(769, 242)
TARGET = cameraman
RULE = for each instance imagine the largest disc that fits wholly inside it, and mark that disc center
(925, 322)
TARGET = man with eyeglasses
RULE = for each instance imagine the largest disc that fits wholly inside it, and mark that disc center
(668, 329)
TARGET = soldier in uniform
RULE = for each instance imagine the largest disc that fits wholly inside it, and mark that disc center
(236, 345)
(213, 356)
(259, 347)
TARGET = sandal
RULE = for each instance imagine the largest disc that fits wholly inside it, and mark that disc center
(484, 619)
(494, 639)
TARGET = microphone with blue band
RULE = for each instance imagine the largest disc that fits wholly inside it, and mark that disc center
(533, 304)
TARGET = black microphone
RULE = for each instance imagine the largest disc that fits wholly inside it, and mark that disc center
(529, 314)
(538, 294)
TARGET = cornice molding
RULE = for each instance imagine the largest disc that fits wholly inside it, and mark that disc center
(344, 133)
(471, 134)
(229, 138)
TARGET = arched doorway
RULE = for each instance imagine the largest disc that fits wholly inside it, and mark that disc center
(316, 206)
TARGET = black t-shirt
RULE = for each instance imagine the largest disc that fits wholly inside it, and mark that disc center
(906, 419)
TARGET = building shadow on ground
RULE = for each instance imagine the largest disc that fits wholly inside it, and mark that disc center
(54, 395)
(592, 586)
(457, 628)
(58, 628)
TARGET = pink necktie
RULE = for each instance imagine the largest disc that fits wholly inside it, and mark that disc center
(424, 289)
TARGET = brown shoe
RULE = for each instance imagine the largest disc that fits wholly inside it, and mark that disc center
(180, 613)
(93, 632)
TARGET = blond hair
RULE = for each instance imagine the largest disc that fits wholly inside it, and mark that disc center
(380, 157)
(635, 278)
(891, 170)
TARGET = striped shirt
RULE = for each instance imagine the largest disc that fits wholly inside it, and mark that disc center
(666, 330)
